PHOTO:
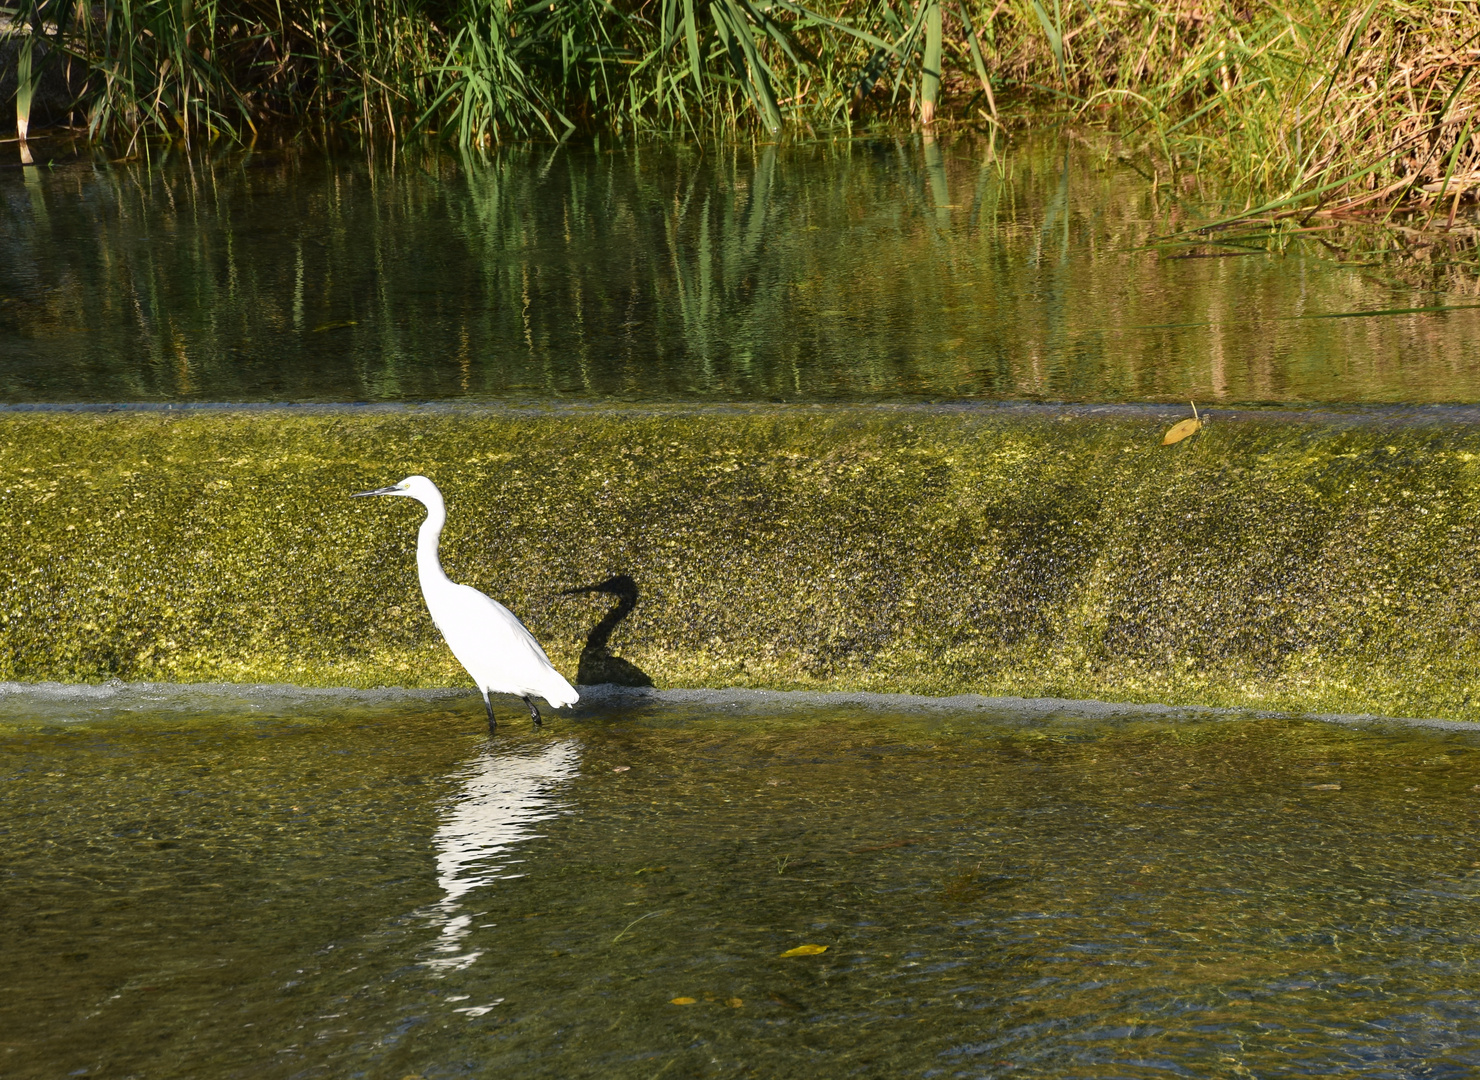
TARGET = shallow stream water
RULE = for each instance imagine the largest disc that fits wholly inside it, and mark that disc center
(293, 884)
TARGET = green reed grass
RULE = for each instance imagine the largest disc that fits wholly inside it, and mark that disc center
(1309, 105)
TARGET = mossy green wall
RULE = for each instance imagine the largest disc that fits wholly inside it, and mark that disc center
(1322, 563)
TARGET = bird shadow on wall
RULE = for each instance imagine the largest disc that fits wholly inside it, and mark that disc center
(597, 664)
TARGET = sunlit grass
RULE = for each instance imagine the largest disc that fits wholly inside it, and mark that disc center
(1311, 106)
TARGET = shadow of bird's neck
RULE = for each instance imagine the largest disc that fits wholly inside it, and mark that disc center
(599, 634)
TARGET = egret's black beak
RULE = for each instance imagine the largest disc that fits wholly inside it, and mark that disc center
(378, 491)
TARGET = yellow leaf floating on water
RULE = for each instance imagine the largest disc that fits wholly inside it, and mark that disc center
(806, 950)
(1184, 430)
(683, 1001)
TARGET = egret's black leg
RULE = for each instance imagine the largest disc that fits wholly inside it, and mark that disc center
(534, 713)
(492, 723)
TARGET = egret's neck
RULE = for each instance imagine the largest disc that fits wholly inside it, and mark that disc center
(428, 563)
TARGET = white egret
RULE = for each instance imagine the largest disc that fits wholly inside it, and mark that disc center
(495, 648)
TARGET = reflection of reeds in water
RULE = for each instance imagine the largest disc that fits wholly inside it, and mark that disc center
(880, 268)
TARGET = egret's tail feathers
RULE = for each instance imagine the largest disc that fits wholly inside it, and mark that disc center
(552, 687)
(557, 691)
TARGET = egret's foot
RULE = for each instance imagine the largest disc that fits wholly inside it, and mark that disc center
(492, 723)
(534, 713)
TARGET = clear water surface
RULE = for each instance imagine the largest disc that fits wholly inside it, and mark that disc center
(289, 885)
(876, 268)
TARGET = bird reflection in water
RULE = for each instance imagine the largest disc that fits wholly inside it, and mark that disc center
(503, 795)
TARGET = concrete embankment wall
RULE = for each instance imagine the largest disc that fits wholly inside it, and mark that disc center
(1318, 562)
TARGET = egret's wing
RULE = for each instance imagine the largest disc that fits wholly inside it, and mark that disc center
(482, 623)
(495, 647)
(516, 628)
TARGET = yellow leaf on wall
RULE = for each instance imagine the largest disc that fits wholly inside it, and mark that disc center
(1182, 431)
(1185, 429)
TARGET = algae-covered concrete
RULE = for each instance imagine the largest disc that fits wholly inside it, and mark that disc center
(1323, 563)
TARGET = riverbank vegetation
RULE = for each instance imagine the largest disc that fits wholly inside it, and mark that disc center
(1311, 105)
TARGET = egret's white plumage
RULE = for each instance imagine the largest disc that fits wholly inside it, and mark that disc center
(500, 655)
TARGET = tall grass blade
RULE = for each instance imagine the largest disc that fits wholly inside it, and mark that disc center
(734, 30)
(977, 61)
(691, 36)
(846, 29)
(1054, 33)
(930, 68)
(25, 88)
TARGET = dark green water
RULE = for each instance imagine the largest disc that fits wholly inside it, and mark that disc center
(282, 885)
(861, 270)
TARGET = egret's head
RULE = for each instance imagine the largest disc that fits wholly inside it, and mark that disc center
(414, 487)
